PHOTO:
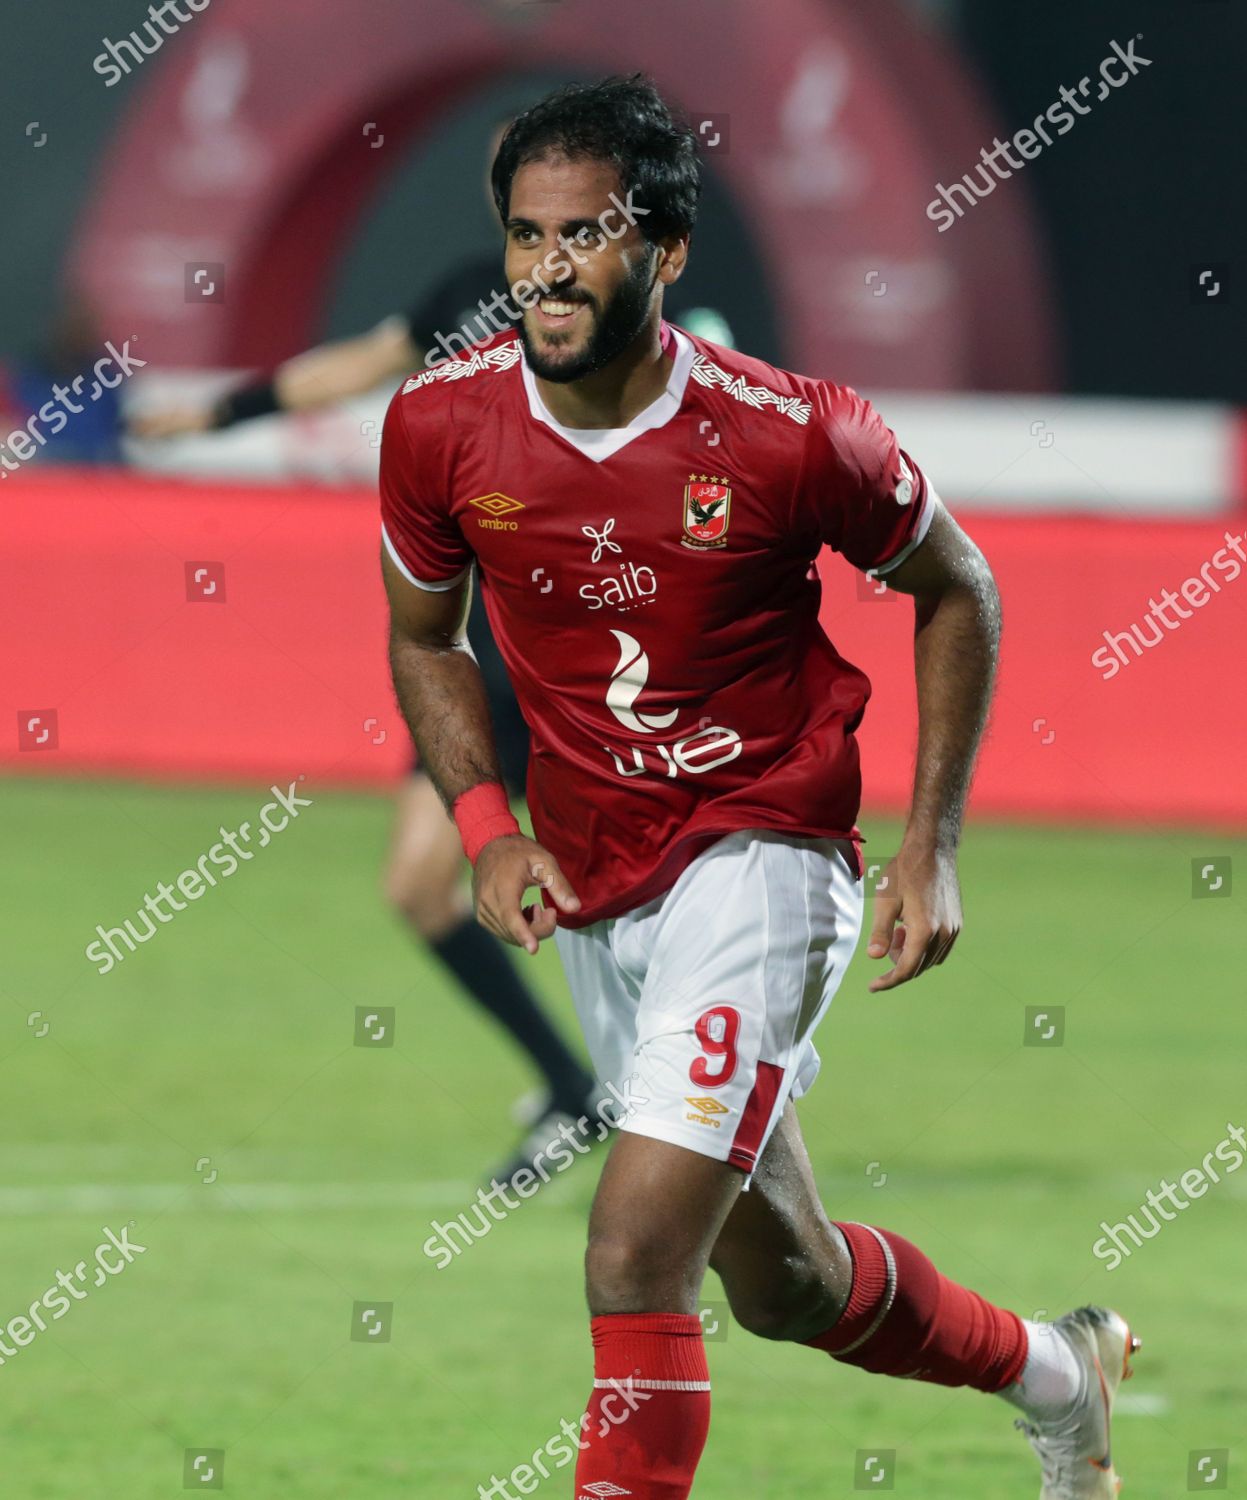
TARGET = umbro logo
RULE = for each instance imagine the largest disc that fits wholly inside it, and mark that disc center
(601, 1490)
(495, 507)
(704, 1111)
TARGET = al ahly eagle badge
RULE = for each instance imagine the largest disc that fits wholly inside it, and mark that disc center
(707, 512)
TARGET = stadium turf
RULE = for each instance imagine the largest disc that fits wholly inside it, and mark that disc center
(209, 1089)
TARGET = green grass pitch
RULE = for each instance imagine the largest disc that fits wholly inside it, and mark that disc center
(209, 1090)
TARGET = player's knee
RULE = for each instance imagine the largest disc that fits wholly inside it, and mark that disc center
(628, 1271)
(432, 908)
(768, 1317)
(790, 1308)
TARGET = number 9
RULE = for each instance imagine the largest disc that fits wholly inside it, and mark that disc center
(717, 1031)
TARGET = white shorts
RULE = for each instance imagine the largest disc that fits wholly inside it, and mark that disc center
(700, 1006)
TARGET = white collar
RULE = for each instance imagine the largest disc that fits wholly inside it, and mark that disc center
(600, 443)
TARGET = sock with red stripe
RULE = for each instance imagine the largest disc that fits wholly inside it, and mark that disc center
(647, 1421)
(904, 1318)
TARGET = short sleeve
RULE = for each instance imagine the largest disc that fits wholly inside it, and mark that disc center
(867, 498)
(420, 534)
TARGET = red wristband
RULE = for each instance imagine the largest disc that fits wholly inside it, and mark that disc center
(481, 815)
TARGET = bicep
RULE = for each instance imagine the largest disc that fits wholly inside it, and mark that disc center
(945, 559)
(434, 619)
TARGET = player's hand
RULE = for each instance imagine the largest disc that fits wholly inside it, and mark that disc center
(505, 869)
(917, 915)
(174, 423)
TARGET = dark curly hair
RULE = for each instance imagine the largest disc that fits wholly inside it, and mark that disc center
(623, 121)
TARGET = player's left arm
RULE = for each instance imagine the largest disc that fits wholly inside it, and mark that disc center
(956, 641)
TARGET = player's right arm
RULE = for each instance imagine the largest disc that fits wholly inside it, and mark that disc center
(426, 568)
(321, 376)
(442, 695)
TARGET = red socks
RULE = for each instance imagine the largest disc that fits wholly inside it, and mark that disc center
(903, 1318)
(647, 1422)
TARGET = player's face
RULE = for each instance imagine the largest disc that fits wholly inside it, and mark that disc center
(594, 293)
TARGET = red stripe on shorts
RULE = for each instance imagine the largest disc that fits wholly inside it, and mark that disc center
(747, 1141)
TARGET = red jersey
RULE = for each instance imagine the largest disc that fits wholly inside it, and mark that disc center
(652, 591)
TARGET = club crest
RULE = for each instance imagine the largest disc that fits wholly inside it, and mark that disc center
(707, 512)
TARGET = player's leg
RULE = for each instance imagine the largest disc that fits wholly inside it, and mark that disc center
(871, 1298)
(424, 884)
(786, 1269)
(865, 1295)
(657, 1213)
(690, 992)
(772, 924)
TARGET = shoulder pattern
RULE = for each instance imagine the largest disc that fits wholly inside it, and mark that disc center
(707, 373)
(500, 358)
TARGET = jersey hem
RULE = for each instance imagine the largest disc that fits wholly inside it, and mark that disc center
(679, 855)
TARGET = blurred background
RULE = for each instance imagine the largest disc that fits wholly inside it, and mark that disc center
(195, 196)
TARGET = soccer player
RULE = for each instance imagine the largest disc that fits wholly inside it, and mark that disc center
(644, 510)
(423, 874)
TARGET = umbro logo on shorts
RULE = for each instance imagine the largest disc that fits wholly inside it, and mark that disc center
(705, 1109)
(601, 1490)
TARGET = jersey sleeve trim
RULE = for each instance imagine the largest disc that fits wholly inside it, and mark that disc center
(439, 586)
(926, 516)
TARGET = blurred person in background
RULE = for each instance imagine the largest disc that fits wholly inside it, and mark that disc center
(91, 430)
(423, 878)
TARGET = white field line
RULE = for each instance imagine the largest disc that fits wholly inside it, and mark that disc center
(1142, 1404)
(226, 1197)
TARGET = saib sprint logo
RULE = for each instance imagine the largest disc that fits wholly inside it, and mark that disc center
(705, 749)
(628, 682)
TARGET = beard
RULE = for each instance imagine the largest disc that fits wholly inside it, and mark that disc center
(615, 327)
